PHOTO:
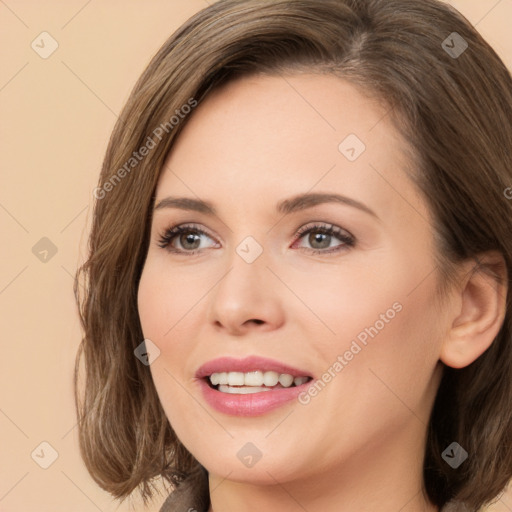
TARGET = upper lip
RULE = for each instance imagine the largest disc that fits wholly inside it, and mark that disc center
(247, 364)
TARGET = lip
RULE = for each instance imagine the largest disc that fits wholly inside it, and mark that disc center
(247, 364)
(252, 404)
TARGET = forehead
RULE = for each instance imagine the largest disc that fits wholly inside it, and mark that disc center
(270, 137)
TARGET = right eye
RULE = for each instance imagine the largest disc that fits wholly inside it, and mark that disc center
(186, 235)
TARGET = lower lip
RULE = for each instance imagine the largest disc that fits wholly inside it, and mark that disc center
(251, 404)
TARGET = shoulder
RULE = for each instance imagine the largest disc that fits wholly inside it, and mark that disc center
(455, 506)
(191, 494)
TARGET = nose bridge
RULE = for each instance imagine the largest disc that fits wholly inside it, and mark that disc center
(246, 291)
(247, 267)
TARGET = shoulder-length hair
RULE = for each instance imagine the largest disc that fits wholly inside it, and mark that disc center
(448, 94)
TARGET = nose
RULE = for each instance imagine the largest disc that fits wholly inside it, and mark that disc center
(247, 298)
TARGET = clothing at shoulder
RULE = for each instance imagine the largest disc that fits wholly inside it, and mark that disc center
(192, 495)
(455, 506)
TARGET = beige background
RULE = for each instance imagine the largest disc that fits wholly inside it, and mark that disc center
(57, 115)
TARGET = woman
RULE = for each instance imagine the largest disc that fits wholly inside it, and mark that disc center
(337, 336)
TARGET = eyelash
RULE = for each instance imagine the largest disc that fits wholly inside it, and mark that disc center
(348, 240)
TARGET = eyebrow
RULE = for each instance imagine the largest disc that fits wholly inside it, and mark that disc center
(285, 207)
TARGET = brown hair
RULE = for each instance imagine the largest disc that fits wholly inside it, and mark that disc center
(454, 111)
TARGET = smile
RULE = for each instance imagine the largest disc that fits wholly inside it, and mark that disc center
(250, 387)
(253, 382)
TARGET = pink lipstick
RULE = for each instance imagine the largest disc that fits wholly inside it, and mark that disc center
(251, 386)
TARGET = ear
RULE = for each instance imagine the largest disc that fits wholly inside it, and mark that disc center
(480, 311)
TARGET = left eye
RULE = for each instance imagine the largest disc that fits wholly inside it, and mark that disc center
(320, 235)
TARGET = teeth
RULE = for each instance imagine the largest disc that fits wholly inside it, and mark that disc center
(243, 390)
(300, 380)
(270, 378)
(236, 379)
(255, 379)
(285, 380)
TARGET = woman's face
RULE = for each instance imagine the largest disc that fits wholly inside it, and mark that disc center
(356, 314)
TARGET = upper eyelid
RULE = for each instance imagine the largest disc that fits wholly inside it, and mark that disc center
(322, 225)
(303, 227)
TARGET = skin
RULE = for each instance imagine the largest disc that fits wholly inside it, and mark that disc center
(358, 444)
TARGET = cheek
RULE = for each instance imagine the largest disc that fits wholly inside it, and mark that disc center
(164, 298)
(384, 332)
(383, 371)
(164, 321)
(152, 302)
(388, 357)
(166, 307)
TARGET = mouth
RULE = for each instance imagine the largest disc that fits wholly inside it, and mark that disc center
(251, 386)
(252, 374)
(257, 381)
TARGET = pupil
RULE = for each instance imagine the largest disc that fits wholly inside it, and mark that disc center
(315, 237)
(189, 238)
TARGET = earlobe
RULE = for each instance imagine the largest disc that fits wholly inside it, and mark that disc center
(482, 311)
